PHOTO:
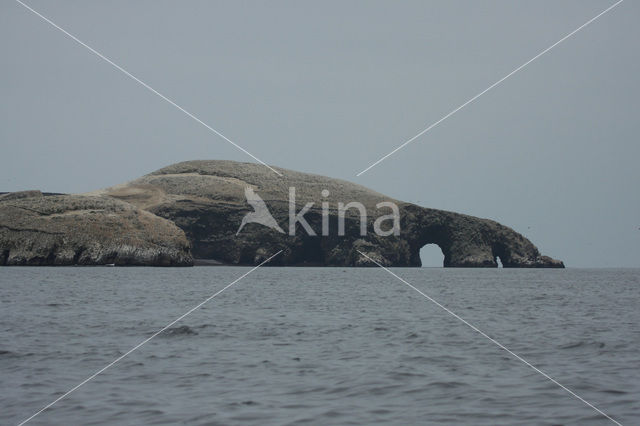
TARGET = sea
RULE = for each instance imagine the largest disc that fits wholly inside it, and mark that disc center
(319, 346)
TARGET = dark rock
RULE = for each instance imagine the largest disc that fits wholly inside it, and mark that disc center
(207, 200)
(86, 230)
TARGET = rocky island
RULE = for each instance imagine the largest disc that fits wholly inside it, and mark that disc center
(194, 209)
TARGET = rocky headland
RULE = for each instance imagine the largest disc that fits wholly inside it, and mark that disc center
(85, 230)
(195, 209)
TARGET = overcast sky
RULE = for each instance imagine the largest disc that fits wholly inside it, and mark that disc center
(330, 87)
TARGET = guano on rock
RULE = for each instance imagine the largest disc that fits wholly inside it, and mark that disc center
(195, 209)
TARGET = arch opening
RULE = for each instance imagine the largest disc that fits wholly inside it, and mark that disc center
(500, 252)
(431, 256)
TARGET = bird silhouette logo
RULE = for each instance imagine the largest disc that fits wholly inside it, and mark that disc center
(260, 213)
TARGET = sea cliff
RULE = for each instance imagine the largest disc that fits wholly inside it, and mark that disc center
(195, 208)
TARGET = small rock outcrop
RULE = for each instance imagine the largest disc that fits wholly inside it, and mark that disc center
(207, 200)
(85, 230)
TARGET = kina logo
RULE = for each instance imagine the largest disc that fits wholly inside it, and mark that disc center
(262, 215)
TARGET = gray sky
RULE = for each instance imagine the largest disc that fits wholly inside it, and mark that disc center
(330, 87)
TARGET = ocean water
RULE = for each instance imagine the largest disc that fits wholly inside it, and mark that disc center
(293, 346)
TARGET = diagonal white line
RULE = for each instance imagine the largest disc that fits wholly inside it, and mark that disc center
(490, 87)
(492, 340)
(143, 342)
(136, 79)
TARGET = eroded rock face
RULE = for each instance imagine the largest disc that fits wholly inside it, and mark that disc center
(468, 241)
(85, 230)
(207, 200)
